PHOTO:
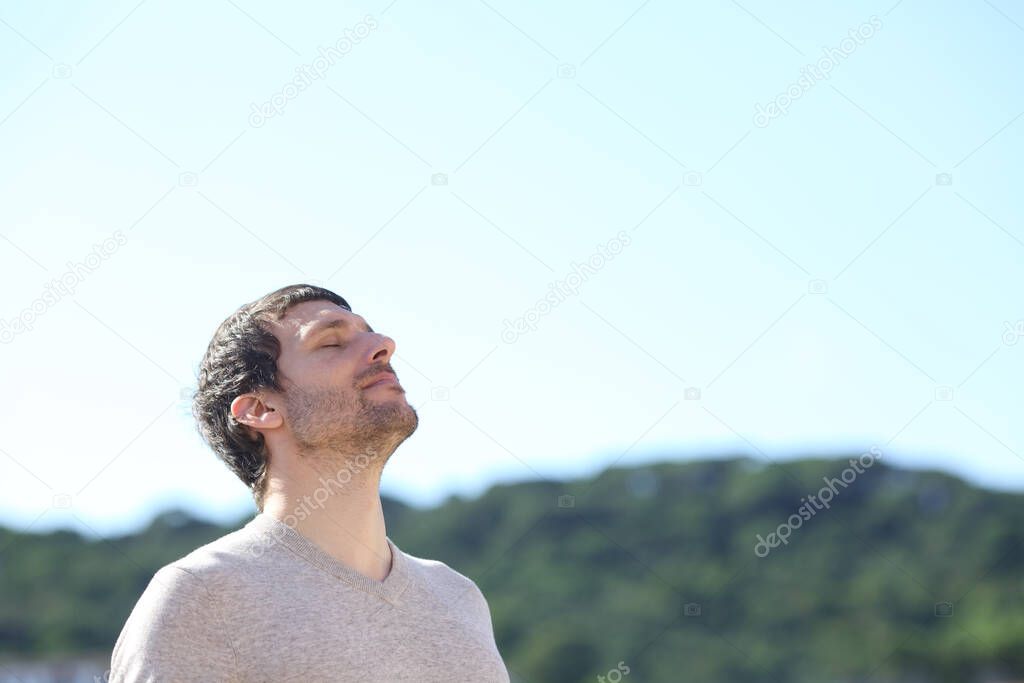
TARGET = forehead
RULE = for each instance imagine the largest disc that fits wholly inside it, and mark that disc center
(306, 318)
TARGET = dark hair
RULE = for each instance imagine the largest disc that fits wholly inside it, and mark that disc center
(242, 358)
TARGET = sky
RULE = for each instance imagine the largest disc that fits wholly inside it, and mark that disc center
(599, 233)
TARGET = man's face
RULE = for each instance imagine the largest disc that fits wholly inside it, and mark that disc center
(329, 361)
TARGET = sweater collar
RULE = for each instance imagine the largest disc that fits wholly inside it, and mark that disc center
(389, 589)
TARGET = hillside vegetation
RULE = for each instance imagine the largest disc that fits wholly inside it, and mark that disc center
(648, 573)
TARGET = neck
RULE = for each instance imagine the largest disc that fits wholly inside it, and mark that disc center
(339, 511)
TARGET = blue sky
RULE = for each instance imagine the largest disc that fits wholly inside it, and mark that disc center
(842, 274)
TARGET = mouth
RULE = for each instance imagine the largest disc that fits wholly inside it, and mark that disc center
(386, 379)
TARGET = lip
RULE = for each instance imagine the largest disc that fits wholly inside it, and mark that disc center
(385, 378)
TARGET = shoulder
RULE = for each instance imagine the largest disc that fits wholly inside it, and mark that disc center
(175, 631)
(196, 576)
(179, 620)
(232, 555)
(437, 571)
(456, 596)
(455, 587)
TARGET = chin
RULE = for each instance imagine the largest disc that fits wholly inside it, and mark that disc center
(395, 417)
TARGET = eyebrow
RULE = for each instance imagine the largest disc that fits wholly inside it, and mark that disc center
(319, 327)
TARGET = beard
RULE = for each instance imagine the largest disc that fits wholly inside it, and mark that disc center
(332, 422)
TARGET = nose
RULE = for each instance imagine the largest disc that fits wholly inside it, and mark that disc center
(383, 349)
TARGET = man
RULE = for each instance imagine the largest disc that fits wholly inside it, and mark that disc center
(298, 397)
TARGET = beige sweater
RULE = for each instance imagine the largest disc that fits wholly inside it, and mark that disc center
(266, 604)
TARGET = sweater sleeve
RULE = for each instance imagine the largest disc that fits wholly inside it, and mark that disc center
(174, 633)
(481, 612)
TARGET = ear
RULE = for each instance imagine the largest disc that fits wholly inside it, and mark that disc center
(254, 411)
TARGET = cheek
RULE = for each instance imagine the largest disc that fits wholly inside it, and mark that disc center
(337, 368)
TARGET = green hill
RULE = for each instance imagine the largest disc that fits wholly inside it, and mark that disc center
(907, 576)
